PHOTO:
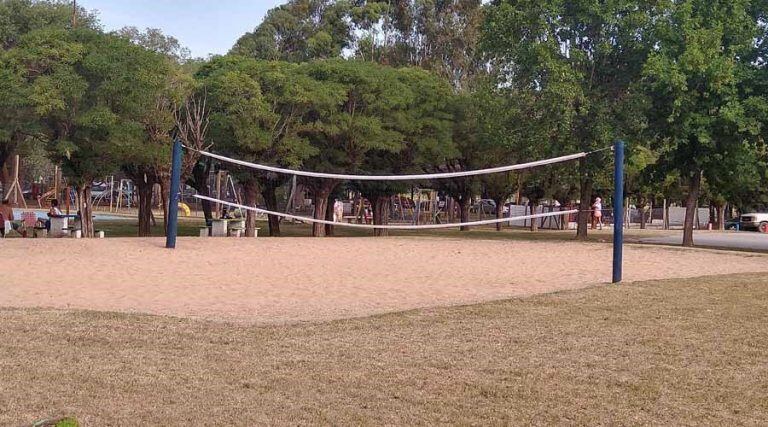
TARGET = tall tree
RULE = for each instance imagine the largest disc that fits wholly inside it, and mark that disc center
(147, 161)
(18, 120)
(89, 90)
(693, 77)
(587, 54)
(440, 36)
(154, 40)
(298, 31)
(368, 98)
(424, 121)
(258, 112)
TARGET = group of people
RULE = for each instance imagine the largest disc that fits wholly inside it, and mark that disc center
(7, 216)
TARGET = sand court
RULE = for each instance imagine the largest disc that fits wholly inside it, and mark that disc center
(280, 280)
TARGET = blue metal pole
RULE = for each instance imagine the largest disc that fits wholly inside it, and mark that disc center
(173, 203)
(618, 209)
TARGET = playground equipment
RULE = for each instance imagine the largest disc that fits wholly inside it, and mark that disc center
(124, 191)
(185, 208)
(15, 188)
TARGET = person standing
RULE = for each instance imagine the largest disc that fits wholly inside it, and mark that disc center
(597, 213)
(338, 211)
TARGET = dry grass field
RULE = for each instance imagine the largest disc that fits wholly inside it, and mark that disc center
(690, 351)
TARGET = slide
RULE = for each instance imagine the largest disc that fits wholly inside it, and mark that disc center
(184, 208)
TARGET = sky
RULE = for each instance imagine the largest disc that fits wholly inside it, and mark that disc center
(204, 26)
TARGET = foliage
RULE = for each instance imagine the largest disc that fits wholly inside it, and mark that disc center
(702, 126)
(153, 39)
(298, 31)
(386, 87)
(440, 36)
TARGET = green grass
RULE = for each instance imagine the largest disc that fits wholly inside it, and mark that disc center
(190, 227)
(129, 228)
(60, 422)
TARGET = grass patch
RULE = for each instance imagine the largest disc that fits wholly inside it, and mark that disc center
(666, 352)
(58, 422)
(191, 226)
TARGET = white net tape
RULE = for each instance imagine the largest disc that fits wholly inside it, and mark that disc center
(441, 175)
(393, 226)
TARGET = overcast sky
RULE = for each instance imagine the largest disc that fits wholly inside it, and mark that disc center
(204, 26)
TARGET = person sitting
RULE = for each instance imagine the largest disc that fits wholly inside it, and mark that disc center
(225, 214)
(53, 212)
(6, 214)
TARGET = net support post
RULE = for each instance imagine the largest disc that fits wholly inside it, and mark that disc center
(618, 210)
(173, 203)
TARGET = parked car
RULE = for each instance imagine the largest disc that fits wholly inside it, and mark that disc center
(733, 224)
(755, 221)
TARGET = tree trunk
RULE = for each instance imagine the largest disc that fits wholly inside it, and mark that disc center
(641, 206)
(532, 208)
(85, 208)
(268, 192)
(720, 207)
(145, 207)
(320, 202)
(451, 209)
(250, 191)
(4, 175)
(199, 181)
(330, 230)
(321, 191)
(380, 214)
(691, 205)
(499, 211)
(585, 197)
(464, 209)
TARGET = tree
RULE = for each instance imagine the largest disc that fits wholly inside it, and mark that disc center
(586, 54)
(367, 99)
(17, 118)
(89, 89)
(153, 39)
(18, 121)
(20, 17)
(424, 121)
(466, 156)
(174, 106)
(440, 36)
(258, 110)
(693, 77)
(146, 161)
(298, 31)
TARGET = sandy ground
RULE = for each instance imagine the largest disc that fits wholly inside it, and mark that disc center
(302, 279)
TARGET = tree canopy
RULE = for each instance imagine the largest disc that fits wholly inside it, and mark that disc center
(387, 87)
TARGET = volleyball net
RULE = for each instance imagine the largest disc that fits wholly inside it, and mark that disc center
(618, 195)
(404, 177)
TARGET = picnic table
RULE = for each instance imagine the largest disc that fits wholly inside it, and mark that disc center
(222, 227)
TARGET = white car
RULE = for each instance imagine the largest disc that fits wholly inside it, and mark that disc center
(755, 221)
